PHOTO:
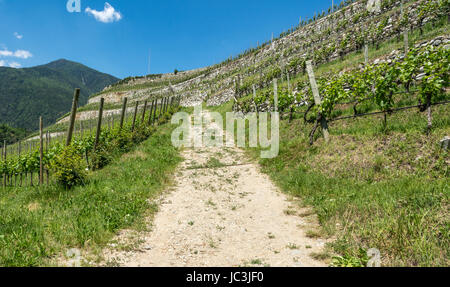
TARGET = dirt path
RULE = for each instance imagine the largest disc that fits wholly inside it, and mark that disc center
(222, 212)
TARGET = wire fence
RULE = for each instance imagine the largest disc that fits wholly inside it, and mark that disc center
(23, 163)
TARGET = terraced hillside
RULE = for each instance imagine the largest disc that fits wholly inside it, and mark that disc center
(324, 40)
(362, 168)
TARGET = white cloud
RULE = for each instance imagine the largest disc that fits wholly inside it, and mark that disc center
(6, 53)
(14, 65)
(108, 15)
(21, 54)
(18, 36)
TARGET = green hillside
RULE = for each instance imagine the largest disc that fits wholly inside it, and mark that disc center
(11, 135)
(46, 91)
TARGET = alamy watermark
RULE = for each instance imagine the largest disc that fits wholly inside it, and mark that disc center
(73, 6)
(207, 130)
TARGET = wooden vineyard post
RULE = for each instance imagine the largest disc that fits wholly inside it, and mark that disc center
(27, 149)
(317, 99)
(124, 109)
(254, 98)
(366, 54)
(144, 111)
(154, 112)
(134, 116)
(164, 105)
(405, 31)
(149, 123)
(47, 147)
(4, 159)
(429, 119)
(406, 40)
(81, 129)
(41, 152)
(73, 116)
(289, 81)
(171, 103)
(1, 159)
(46, 141)
(99, 123)
(275, 95)
(19, 150)
(160, 109)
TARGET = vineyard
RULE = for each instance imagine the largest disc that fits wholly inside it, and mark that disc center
(66, 160)
(422, 76)
(329, 36)
(373, 83)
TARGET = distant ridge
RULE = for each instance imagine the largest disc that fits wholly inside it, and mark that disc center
(46, 90)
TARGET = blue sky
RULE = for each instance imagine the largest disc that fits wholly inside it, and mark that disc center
(184, 34)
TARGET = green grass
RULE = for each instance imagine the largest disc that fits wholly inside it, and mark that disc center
(372, 189)
(38, 225)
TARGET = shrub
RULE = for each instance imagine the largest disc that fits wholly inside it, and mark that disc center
(100, 157)
(68, 168)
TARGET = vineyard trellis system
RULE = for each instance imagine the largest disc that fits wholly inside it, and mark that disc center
(427, 69)
(21, 167)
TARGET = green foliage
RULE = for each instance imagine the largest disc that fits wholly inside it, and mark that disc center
(351, 261)
(377, 84)
(69, 163)
(436, 64)
(101, 157)
(68, 168)
(364, 194)
(112, 199)
(11, 135)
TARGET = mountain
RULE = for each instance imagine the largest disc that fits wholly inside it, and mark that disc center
(47, 91)
(11, 135)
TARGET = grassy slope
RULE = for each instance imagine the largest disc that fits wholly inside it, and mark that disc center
(36, 225)
(371, 188)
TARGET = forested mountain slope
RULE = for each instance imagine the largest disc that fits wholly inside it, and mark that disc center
(47, 91)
